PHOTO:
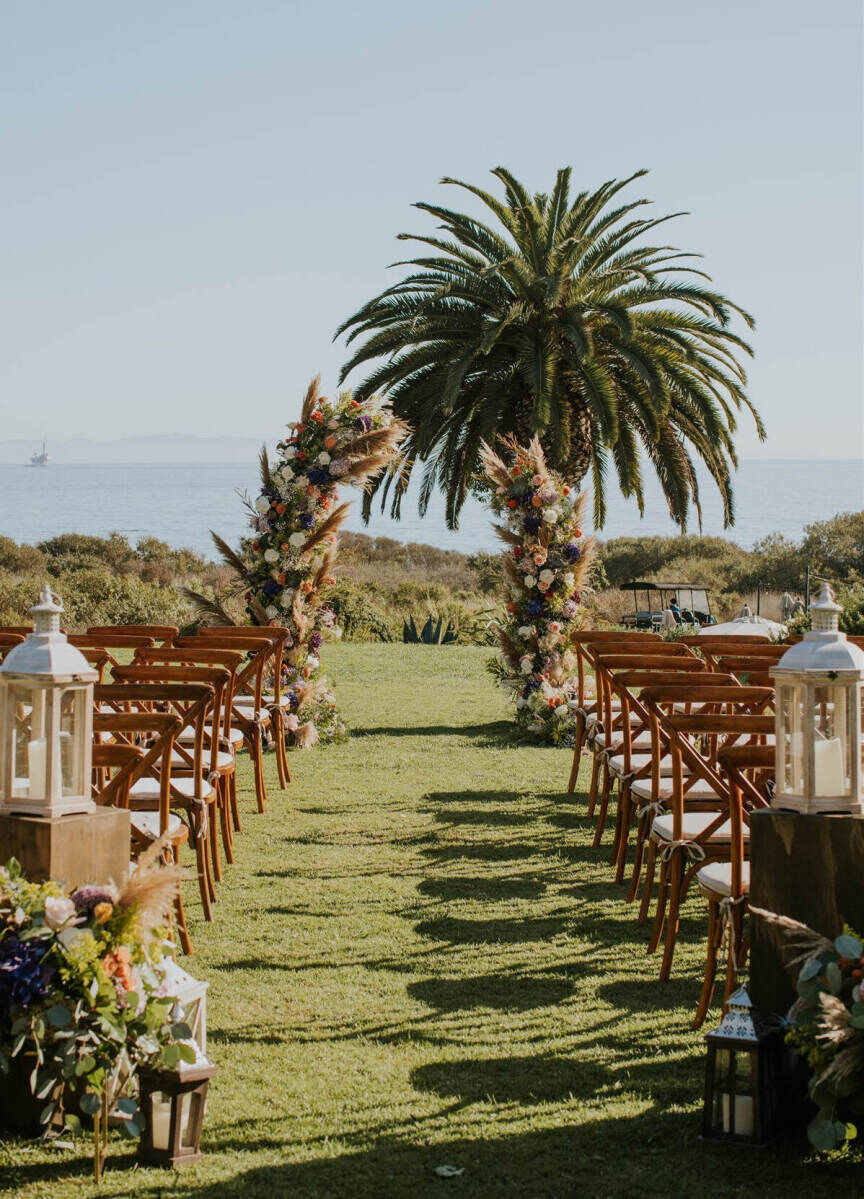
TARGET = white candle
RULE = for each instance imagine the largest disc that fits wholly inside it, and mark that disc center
(829, 777)
(743, 1115)
(36, 767)
(160, 1132)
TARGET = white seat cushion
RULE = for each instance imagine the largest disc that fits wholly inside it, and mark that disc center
(148, 788)
(268, 698)
(641, 789)
(638, 761)
(188, 734)
(248, 712)
(223, 759)
(717, 877)
(693, 824)
(148, 823)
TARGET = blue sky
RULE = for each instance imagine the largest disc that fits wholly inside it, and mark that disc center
(195, 195)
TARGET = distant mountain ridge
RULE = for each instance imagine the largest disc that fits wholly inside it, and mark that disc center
(166, 447)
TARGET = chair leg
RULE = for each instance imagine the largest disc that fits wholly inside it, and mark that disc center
(204, 883)
(180, 912)
(638, 855)
(648, 886)
(256, 752)
(660, 911)
(622, 831)
(281, 752)
(577, 752)
(715, 935)
(592, 788)
(235, 810)
(737, 951)
(604, 803)
(213, 841)
(676, 882)
(224, 818)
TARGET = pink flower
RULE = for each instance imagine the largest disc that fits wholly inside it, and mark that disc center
(291, 722)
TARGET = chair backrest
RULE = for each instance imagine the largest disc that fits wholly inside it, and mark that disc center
(141, 743)
(9, 641)
(159, 632)
(194, 655)
(749, 669)
(583, 639)
(721, 639)
(263, 647)
(745, 767)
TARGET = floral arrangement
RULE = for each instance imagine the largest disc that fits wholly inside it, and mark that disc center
(286, 566)
(83, 1000)
(826, 1024)
(544, 570)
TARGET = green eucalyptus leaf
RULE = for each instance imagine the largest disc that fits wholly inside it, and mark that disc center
(848, 946)
(45, 1086)
(181, 1031)
(73, 1124)
(810, 969)
(131, 1130)
(90, 1103)
(85, 1064)
(171, 1056)
(58, 1015)
(18, 1044)
(834, 975)
(187, 1052)
(822, 1133)
(46, 1113)
(127, 1106)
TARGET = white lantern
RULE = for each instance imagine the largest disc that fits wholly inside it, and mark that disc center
(46, 721)
(191, 996)
(820, 682)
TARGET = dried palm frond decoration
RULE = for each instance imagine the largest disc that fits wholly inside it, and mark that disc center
(545, 571)
(284, 569)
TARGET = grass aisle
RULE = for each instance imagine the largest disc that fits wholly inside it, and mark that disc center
(419, 961)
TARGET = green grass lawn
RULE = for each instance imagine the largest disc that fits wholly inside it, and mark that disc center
(419, 960)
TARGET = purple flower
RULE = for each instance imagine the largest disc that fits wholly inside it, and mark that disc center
(318, 477)
(338, 467)
(527, 498)
(531, 523)
(530, 686)
(86, 899)
(572, 552)
(363, 423)
(315, 641)
(534, 607)
(307, 520)
(271, 588)
(24, 978)
(569, 609)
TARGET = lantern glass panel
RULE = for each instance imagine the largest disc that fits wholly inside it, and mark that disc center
(160, 1120)
(832, 765)
(791, 701)
(189, 1112)
(28, 709)
(72, 731)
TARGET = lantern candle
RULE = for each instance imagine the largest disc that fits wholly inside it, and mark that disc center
(36, 752)
(743, 1115)
(828, 774)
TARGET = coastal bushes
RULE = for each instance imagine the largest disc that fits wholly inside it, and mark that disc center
(381, 582)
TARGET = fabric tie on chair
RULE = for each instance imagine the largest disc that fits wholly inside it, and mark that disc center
(692, 849)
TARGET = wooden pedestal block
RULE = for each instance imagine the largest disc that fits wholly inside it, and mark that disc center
(92, 847)
(807, 867)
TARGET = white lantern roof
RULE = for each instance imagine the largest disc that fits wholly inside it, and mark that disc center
(46, 651)
(740, 1022)
(824, 650)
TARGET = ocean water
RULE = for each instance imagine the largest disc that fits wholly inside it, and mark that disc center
(180, 503)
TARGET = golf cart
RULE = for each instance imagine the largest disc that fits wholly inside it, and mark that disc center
(688, 603)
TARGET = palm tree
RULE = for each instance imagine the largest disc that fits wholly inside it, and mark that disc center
(556, 319)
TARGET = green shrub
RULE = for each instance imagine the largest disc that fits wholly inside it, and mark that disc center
(19, 559)
(360, 618)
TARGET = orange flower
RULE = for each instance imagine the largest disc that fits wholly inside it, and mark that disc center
(117, 965)
(577, 532)
(536, 501)
(280, 578)
(511, 503)
(280, 508)
(516, 471)
(285, 545)
(299, 428)
(329, 442)
(306, 587)
(566, 490)
(511, 607)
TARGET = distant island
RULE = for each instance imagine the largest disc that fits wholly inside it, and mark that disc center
(167, 447)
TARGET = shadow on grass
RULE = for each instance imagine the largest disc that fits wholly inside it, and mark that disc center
(491, 851)
(495, 732)
(482, 888)
(476, 932)
(504, 992)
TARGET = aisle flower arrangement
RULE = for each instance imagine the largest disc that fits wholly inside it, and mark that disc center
(83, 999)
(826, 1024)
(544, 569)
(285, 567)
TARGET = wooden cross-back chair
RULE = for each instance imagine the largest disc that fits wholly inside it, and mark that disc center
(276, 703)
(725, 885)
(9, 641)
(251, 720)
(132, 743)
(225, 767)
(191, 763)
(729, 648)
(157, 791)
(694, 830)
(643, 776)
(586, 643)
(628, 732)
(606, 730)
(695, 641)
(750, 669)
(117, 646)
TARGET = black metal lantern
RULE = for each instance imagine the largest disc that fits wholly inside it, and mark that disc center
(173, 1103)
(742, 1077)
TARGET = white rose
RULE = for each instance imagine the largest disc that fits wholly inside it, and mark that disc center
(550, 515)
(271, 556)
(561, 711)
(297, 539)
(272, 612)
(262, 504)
(568, 579)
(526, 664)
(525, 631)
(290, 451)
(312, 662)
(332, 424)
(287, 598)
(547, 576)
(324, 458)
(520, 702)
(59, 911)
(530, 581)
(287, 473)
(300, 483)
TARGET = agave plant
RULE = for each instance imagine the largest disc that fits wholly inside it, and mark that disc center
(434, 632)
(557, 318)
